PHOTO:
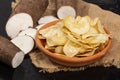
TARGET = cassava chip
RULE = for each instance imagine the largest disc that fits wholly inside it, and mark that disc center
(94, 22)
(71, 49)
(89, 53)
(50, 47)
(92, 31)
(54, 35)
(100, 38)
(79, 27)
(99, 27)
(59, 49)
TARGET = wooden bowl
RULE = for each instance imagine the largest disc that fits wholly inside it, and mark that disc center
(70, 61)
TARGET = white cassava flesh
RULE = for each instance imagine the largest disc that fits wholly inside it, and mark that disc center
(18, 58)
(46, 19)
(25, 43)
(17, 23)
(30, 32)
(39, 26)
(9, 53)
(66, 11)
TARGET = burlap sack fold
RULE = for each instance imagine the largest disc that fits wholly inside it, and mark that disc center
(109, 19)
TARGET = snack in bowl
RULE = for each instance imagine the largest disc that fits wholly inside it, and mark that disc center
(74, 41)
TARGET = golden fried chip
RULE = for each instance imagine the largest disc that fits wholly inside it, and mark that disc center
(59, 49)
(94, 22)
(54, 35)
(50, 47)
(92, 32)
(99, 27)
(57, 39)
(74, 26)
(89, 53)
(100, 38)
(78, 18)
(71, 49)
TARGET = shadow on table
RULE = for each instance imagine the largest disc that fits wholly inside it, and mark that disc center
(27, 71)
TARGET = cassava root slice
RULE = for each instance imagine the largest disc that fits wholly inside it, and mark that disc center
(30, 32)
(39, 26)
(46, 19)
(17, 23)
(35, 8)
(66, 11)
(9, 53)
(24, 43)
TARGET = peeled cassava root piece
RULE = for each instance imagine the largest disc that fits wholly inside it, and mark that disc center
(62, 3)
(30, 32)
(39, 26)
(66, 11)
(9, 53)
(18, 23)
(24, 43)
(46, 19)
(35, 8)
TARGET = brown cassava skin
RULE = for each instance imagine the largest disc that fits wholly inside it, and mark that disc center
(35, 8)
(7, 50)
(66, 3)
(51, 9)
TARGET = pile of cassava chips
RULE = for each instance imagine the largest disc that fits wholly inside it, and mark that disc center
(75, 37)
(109, 20)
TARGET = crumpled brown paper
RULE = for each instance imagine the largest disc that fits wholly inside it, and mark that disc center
(109, 19)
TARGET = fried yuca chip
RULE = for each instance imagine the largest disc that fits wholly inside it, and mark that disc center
(59, 49)
(99, 27)
(82, 42)
(54, 36)
(50, 31)
(71, 49)
(89, 53)
(79, 26)
(50, 47)
(80, 36)
(100, 38)
(92, 32)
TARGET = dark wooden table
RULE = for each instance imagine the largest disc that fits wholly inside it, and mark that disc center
(26, 71)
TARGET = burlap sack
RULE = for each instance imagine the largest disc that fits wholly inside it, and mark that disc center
(109, 19)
